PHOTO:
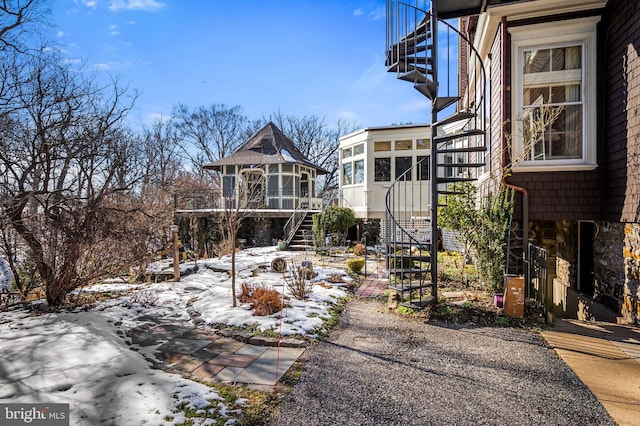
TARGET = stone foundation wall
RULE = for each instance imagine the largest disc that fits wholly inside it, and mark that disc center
(617, 266)
(567, 252)
(631, 291)
(608, 264)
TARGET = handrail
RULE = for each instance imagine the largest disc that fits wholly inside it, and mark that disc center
(388, 201)
(293, 224)
(395, 38)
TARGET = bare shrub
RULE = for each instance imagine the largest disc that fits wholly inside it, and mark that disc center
(224, 247)
(335, 278)
(145, 298)
(299, 282)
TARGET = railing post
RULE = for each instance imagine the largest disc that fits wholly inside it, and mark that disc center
(176, 254)
(434, 157)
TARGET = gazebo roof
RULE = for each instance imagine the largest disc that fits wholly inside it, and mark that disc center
(267, 146)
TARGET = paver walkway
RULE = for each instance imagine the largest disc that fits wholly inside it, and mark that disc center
(373, 287)
(211, 356)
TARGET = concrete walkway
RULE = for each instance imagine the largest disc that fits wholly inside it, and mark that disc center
(606, 358)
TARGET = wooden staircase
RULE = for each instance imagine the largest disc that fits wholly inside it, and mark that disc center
(303, 237)
(458, 111)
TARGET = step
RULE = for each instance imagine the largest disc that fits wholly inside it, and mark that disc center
(444, 101)
(462, 150)
(449, 193)
(399, 245)
(402, 50)
(406, 45)
(414, 77)
(429, 89)
(461, 165)
(403, 67)
(418, 304)
(422, 28)
(405, 271)
(455, 179)
(422, 60)
(414, 38)
(406, 288)
(458, 116)
(458, 135)
(418, 258)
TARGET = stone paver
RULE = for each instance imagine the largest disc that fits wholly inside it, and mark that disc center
(224, 344)
(262, 371)
(372, 287)
(229, 374)
(187, 364)
(233, 360)
(207, 370)
(183, 346)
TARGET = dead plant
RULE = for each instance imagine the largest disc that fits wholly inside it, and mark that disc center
(299, 281)
(262, 299)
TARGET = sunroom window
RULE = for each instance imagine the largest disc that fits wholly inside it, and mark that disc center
(554, 81)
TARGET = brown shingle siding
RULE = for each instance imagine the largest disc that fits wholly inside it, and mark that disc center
(622, 124)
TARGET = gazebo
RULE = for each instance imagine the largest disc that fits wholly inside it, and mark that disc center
(280, 177)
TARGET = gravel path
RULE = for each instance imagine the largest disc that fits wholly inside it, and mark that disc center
(380, 369)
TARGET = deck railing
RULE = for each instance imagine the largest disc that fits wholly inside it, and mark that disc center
(277, 200)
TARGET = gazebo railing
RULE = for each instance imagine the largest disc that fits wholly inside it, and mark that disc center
(277, 200)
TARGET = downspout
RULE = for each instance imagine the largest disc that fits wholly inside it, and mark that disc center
(503, 143)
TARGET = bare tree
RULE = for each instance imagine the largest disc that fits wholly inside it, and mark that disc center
(210, 133)
(18, 18)
(68, 171)
(164, 161)
(240, 200)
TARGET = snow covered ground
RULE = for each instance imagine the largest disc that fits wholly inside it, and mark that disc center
(84, 358)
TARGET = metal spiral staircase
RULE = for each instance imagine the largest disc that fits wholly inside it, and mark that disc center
(423, 50)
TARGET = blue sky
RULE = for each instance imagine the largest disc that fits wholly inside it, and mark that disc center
(301, 57)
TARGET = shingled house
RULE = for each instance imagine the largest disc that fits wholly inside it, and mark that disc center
(280, 179)
(576, 228)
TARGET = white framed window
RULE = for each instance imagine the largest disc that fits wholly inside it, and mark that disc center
(554, 95)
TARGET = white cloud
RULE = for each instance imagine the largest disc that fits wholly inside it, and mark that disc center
(131, 22)
(91, 3)
(61, 34)
(358, 12)
(146, 5)
(113, 30)
(111, 65)
(377, 14)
